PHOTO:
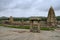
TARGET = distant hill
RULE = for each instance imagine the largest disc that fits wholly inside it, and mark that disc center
(26, 19)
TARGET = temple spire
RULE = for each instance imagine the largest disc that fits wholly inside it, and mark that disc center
(11, 20)
(51, 20)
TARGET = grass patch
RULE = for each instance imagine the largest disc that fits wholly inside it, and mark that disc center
(46, 28)
(19, 27)
(1, 24)
(28, 27)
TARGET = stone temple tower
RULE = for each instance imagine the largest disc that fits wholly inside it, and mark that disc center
(51, 19)
(11, 20)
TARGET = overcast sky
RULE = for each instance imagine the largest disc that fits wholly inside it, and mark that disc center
(27, 8)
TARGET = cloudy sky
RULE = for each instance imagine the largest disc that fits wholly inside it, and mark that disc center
(27, 8)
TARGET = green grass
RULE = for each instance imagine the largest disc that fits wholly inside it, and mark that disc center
(28, 27)
(19, 27)
(1, 24)
(46, 28)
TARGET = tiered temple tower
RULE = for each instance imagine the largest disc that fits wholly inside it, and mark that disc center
(51, 20)
(11, 20)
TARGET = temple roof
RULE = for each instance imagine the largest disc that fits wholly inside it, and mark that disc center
(51, 8)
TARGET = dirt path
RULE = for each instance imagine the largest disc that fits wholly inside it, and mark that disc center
(23, 34)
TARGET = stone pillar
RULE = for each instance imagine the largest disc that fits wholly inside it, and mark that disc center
(31, 25)
(38, 26)
(33, 28)
(22, 22)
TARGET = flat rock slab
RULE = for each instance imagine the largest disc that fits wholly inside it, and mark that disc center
(24, 34)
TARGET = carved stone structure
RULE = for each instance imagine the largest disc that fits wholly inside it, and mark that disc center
(51, 19)
(11, 20)
(34, 28)
(35, 22)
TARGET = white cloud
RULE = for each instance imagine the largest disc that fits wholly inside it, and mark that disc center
(20, 8)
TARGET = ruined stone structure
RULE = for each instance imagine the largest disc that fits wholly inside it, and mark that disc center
(35, 22)
(35, 27)
(11, 20)
(51, 19)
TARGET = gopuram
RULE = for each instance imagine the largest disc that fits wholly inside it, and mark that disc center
(11, 20)
(51, 19)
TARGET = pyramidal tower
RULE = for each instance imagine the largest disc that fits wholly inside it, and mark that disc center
(11, 19)
(51, 19)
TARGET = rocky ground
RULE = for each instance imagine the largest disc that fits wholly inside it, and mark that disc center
(24, 34)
